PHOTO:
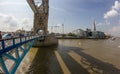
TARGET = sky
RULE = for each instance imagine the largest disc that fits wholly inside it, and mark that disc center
(74, 14)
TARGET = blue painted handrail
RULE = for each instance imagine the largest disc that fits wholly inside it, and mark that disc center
(7, 45)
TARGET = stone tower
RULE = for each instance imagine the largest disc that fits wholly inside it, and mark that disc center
(41, 14)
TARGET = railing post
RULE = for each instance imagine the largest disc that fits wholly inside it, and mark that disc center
(25, 38)
(3, 44)
(13, 41)
(20, 39)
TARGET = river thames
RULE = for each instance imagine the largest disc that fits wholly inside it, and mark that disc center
(74, 56)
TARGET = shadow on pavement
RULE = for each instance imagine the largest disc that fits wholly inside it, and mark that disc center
(46, 62)
(96, 65)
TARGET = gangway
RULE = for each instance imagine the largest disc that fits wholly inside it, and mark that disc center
(13, 50)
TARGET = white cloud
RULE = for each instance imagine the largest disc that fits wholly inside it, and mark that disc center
(103, 23)
(26, 23)
(58, 9)
(115, 11)
(115, 30)
(111, 13)
(119, 22)
(10, 23)
(116, 6)
(113, 19)
(11, 3)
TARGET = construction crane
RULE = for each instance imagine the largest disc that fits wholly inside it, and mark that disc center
(55, 29)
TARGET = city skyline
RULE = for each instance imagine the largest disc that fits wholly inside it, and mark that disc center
(75, 14)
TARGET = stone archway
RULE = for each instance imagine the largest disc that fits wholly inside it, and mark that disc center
(40, 32)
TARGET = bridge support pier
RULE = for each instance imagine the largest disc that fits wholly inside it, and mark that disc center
(49, 41)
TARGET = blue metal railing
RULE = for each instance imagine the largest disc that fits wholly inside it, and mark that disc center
(8, 47)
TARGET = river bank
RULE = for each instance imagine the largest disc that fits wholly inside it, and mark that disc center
(79, 38)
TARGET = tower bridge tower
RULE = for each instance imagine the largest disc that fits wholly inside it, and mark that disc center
(41, 14)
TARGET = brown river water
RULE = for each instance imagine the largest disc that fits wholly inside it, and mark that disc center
(100, 55)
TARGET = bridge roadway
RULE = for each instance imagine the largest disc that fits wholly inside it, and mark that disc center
(63, 59)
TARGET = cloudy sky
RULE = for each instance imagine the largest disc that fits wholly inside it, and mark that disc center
(75, 14)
